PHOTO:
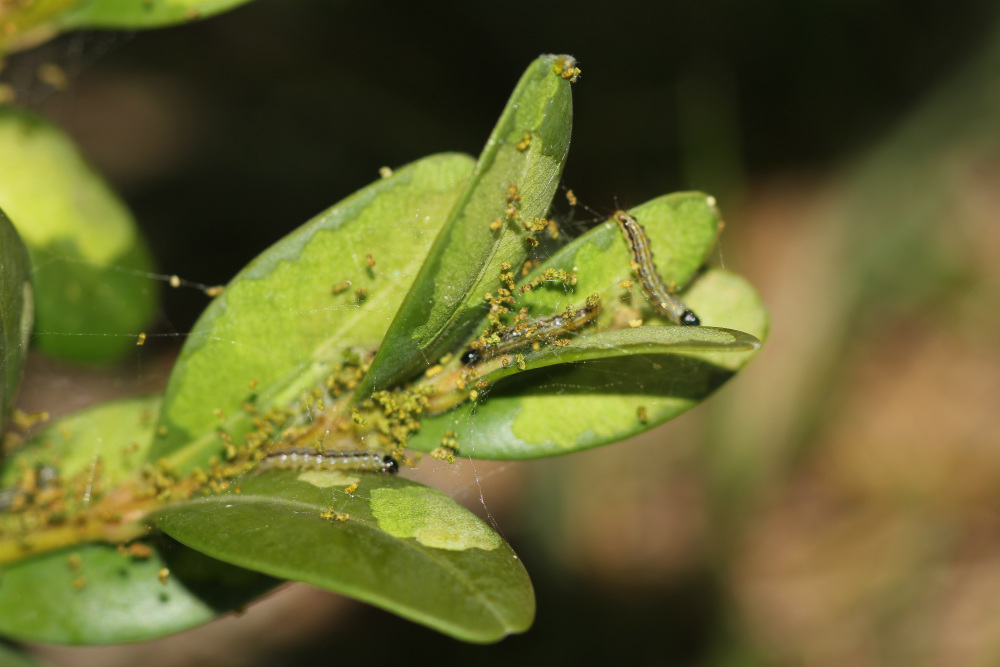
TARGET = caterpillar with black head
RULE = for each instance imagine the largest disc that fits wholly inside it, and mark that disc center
(658, 294)
(303, 458)
(538, 331)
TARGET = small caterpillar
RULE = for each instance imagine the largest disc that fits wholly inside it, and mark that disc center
(549, 328)
(304, 458)
(665, 301)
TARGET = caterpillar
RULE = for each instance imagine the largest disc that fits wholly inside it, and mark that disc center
(658, 294)
(304, 458)
(543, 330)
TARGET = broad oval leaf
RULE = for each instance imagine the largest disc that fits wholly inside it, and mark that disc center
(96, 593)
(285, 320)
(518, 171)
(399, 545)
(89, 262)
(16, 307)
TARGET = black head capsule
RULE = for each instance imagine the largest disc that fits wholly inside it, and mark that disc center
(689, 319)
(470, 357)
(391, 466)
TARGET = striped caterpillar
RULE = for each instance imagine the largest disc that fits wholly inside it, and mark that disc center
(543, 330)
(658, 294)
(303, 458)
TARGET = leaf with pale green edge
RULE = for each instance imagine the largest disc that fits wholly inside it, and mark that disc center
(26, 24)
(16, 307)
(566, 408)
(570, 407)
(92, 593)
(621, 343)
(90, 265)
(446, 301)
(279, 326)
(396, 544)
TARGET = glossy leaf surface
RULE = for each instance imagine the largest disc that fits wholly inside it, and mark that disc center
(284, 321)
(93, 593)
(518, 171)
(566, 407)
(407, 548)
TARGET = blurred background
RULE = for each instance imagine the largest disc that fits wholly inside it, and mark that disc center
(836, 503)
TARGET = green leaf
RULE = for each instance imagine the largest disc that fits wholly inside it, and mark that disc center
(404, 547)
(16, 307)
(566, 408)
(95, 595)
(26, 24)
(129, 14)
(92, 593)
(118, 433)
(622, 343)
(446, 300)
(90, 265)
(279, 327)
(682, 229)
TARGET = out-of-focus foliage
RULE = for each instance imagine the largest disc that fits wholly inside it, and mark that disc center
(88, 260)
(27, 23)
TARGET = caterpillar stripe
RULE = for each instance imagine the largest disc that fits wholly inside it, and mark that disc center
(309, 459)
(658, 294)
(543, 330)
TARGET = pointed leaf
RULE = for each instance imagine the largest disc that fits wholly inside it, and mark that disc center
(88, 259)
(93, 593)
(407, 548)
(16, 307)
(526, 150)
(286, 319)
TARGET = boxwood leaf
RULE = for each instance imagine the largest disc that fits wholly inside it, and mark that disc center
(566, 408)
(284, 321)
(95, 593)
(16, 307)
(88, 259)
(569, 407)
(517, 172)
(399, 545)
